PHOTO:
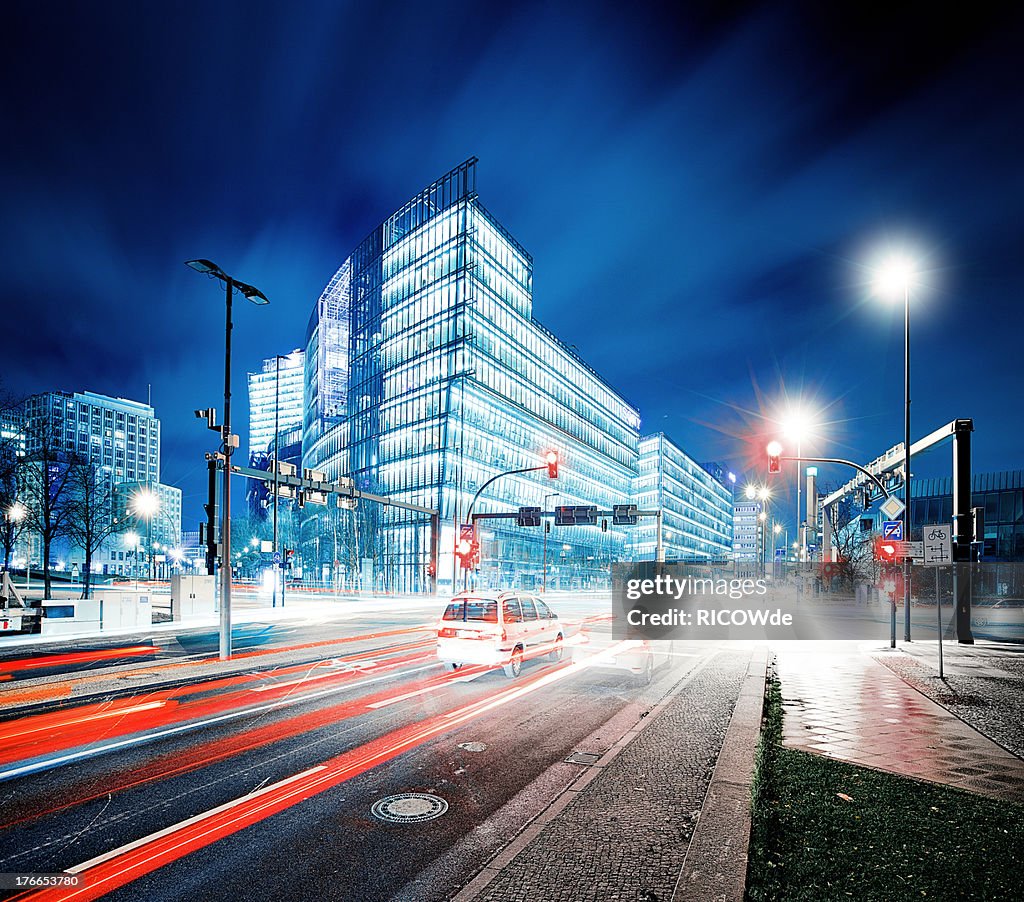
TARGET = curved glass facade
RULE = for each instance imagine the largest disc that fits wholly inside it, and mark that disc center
(449, 381)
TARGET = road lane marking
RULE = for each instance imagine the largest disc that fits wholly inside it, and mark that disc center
(344, 669)
(174, 828)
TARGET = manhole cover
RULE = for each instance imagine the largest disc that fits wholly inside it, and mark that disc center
(583, 758)
(473, 746)
(409, 808)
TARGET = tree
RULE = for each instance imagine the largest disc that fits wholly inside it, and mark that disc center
(91, 517)
(854, 547)
(46, 486)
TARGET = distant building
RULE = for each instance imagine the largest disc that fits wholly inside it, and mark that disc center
(1000, 495)
(697, 508)
(746, 542)
(122, 439)
(276, 390)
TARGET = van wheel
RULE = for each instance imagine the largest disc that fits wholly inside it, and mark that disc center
(558, 652)
(515, 666)
(450, 668)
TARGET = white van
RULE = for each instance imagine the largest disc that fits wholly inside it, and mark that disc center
(498, 628)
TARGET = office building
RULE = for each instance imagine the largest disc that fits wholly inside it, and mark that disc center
(426, 376)
(1001, 499)
(122, 439)
(276, 391)
(697, 508)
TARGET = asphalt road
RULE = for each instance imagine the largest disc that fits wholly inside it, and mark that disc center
(259, 780)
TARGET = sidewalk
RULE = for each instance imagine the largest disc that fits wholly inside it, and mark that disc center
(841, 702)
(624, 828)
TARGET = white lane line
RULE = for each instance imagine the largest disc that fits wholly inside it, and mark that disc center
(345, 670)
(48, 763)
(174, 828)
(415, 692)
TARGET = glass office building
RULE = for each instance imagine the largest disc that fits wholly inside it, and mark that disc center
(697, 509)
(446, 381)
(276, 391)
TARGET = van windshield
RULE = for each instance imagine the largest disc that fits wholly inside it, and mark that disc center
(482, 609)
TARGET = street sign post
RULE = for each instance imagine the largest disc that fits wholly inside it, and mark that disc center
(938, 551)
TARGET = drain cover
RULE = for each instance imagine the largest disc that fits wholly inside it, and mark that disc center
(473, 746)
(583, 758)
(409, 808)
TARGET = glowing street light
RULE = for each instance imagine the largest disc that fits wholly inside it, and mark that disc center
(892, 279)
(146, 504)
(798, 424)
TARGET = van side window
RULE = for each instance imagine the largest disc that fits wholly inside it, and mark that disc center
(529, 611)
(543, 611)
(511, 612)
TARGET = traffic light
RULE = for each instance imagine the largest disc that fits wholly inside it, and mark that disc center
(774, 457)
(552, 461)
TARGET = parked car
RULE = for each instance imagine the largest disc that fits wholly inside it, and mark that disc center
(498, 629)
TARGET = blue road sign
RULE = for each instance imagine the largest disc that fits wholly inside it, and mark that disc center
(892, 529)
(277, 557)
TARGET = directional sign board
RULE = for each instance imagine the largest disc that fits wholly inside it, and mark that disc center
(576, 515)
(892, 529)
(529, 516)
(913, 550)
(624, 515)
(892, 507)
(938, 544)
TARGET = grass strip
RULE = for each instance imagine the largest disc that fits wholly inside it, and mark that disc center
(826, 830)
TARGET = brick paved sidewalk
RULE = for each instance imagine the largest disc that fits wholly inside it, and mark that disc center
(623, 829)
(983, 684)
(840, 702)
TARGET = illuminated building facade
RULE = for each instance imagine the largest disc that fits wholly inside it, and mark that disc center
(697, 508)
(449, 381)
(277, 389)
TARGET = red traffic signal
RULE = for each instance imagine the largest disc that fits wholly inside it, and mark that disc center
(552, 461)
(774, 457)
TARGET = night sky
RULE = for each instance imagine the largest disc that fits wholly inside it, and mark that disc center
(703, 187)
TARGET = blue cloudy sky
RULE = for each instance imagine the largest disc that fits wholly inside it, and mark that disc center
(703, 187)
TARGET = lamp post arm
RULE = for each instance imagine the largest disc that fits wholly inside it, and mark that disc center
(849, 463)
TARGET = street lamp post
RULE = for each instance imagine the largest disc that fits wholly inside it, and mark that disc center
(229, 442)
(892, 279)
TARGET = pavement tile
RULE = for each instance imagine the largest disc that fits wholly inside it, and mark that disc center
(859, 709)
